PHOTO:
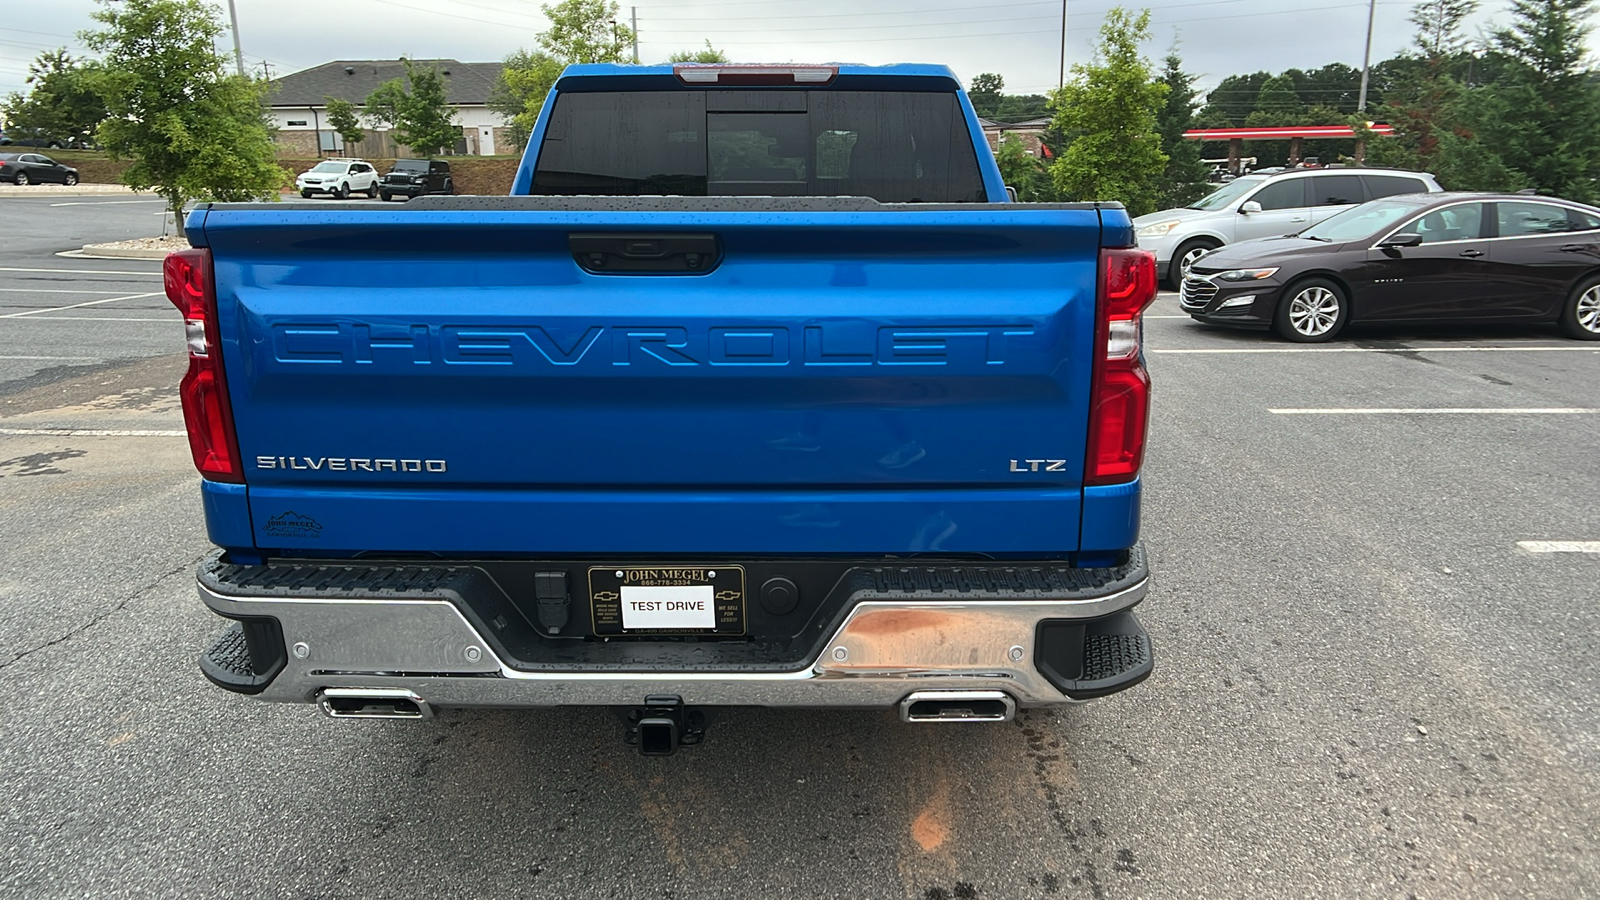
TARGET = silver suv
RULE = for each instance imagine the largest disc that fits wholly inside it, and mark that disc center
(1256, 206)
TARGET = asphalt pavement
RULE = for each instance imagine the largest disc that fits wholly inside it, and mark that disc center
(1364, 687)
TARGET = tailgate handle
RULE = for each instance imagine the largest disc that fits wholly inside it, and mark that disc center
(674, 253)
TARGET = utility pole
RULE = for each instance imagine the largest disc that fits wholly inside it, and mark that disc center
(238, 54)
(1063, 80)
(633, 20)
(1366, 58)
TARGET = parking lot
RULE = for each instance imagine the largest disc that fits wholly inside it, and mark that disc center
(1372, 678)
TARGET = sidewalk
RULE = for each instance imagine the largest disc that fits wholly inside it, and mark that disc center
(137, 248)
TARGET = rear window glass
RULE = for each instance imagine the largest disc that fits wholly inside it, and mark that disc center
(1389, 185)
(1336, 190)
(893, 147)
(1582, 221)
(1519, 219)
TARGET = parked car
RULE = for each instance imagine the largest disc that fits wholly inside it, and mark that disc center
(339, 177)
(1421, 257)
(34, 138)
(1264, 205)
(415, 177)
(35, 168)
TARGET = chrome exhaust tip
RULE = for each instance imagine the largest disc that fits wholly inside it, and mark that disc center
(958, 706)
(373, 703)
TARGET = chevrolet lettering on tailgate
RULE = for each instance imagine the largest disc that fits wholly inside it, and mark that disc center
(672, 345)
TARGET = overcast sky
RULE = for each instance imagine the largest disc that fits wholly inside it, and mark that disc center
(1018, 39)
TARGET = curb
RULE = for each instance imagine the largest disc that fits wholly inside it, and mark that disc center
(103, 251)
(29, 192)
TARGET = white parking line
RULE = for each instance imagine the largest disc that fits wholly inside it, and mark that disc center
(53, 358)
(86, 432)
(53, 291)
(1538, 349)
(1559, 546)
(148, 272)
(1457, 411)
(104, 202)
(91, 319)
(34, 312)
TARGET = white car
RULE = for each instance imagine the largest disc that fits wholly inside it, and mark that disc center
(339, 177)
(1265, 205)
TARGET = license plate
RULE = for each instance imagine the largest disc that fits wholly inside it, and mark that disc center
(706, 600)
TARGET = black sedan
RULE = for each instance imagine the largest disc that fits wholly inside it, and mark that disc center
(1416, 257)
(34, 168)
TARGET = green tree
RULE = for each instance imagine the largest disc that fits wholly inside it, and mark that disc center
(581, 31)
(1023, 171)
(709, 55)
(191, 130)
(1439, 24)
(519, 93)
(1184, 179)
(62, 101)
(384, 105)
(1022, 107)
(1435, 118)
(1108, 112)
(985, 93)
(415, 107)
(1277, 104)
(1544, 112)
(426, 123)
(584, 31)
(343, 119)
(1231, 100)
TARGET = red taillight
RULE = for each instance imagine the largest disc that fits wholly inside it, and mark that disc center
(1119, 398)
(204, 390)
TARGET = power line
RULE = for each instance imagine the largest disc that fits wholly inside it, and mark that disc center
(439, 12)
(1082, 15)
(935, 37)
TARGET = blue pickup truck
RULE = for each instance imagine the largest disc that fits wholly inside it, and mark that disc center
(756, 390)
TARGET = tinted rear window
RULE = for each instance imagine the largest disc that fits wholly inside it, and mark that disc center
(894, 147)
(1336, 190)
(1289, 194)
(1389, 185)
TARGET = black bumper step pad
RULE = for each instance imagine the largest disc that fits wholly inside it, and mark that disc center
(1094, 658)
(246, 656)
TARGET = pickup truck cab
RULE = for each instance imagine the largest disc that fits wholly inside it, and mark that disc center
(755, 391)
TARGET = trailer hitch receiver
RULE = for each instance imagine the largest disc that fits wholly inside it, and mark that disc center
(663, 725)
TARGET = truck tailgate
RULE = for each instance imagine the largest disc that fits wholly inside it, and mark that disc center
(451, 378)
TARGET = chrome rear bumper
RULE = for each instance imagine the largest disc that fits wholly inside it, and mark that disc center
(880, 654)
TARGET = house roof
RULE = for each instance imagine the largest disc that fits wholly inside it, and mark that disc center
(354, 79)
(1026, 125)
